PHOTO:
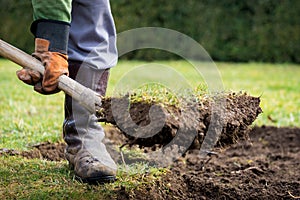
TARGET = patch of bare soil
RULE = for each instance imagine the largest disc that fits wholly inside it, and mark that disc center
(265, 167)
(46, 150)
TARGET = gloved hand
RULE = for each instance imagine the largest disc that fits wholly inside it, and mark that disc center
(55, 63)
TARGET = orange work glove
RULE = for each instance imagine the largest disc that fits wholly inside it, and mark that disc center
(55, 63)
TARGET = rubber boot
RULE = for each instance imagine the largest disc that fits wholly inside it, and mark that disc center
(85, 151)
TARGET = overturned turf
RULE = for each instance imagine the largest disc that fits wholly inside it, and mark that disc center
(150, 124)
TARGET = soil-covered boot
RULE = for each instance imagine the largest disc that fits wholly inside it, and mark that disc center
(85, 151)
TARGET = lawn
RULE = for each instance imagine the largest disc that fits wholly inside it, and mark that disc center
(27, 118)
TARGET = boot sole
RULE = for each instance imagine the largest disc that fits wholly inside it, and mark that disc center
(96, 180)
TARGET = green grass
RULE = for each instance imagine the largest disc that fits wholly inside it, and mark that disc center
(27, 118)
(38, 179)
(277, 84)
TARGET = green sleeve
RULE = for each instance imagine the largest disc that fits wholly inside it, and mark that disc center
(59, 10)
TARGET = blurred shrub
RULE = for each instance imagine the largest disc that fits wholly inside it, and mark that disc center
(230, 30)
(15, 21)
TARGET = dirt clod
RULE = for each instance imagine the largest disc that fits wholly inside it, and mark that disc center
(192, 120)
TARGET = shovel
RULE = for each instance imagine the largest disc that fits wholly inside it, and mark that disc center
(85, 96)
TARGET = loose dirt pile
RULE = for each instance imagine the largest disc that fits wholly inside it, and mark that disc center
(265, 167)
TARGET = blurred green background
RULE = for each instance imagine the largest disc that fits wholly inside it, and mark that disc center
(230, 30)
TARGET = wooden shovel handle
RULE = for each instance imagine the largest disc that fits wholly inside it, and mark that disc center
(85, 96)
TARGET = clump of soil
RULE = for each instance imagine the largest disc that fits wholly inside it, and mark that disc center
(192, 120)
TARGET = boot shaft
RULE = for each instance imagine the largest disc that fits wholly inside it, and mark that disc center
(81, 130)
(94, 79)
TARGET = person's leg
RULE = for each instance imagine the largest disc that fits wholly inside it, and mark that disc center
(93, 34)
(85, 150)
